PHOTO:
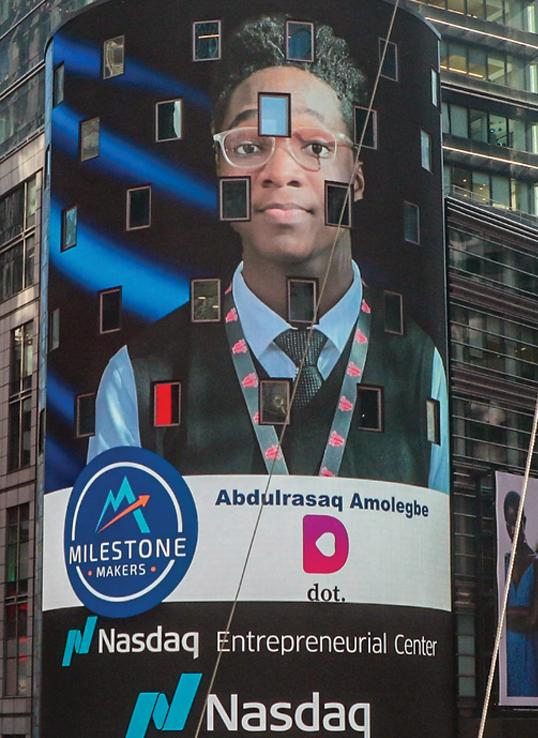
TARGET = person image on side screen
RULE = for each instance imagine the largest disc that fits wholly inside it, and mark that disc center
(522, 612)
(220, 365)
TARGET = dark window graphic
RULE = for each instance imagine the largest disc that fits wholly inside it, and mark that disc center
(138, 208)
(169, 120)
(110, 310)
(300, 41)
(234, 197)
(302, 299)
(274, 401)
(205, 300)
(85, 415)
(206, 40)
(337, 204)
(370, 408)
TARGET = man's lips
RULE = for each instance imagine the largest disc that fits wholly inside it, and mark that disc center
(283, 212)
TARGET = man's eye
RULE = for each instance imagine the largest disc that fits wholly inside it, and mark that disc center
(248, 148)
(318, 149)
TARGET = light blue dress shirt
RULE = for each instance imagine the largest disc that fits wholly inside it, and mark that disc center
(116, 408)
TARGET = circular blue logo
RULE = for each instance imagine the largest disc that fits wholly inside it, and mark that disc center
(130, 532)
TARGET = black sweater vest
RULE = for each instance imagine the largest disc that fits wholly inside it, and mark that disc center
(215, 435)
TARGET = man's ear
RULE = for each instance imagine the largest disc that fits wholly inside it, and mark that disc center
(358, 183)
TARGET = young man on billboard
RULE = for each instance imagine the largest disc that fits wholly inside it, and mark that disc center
(220, 367)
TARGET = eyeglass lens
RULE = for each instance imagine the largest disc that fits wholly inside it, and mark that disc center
(309, 146)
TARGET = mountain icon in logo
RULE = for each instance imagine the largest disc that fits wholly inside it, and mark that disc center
(134, 505)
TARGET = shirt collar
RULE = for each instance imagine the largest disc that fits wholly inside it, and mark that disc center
(261, 325)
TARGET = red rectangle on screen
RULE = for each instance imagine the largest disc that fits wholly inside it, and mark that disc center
(166, 403)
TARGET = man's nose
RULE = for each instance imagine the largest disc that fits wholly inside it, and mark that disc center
(282, 170)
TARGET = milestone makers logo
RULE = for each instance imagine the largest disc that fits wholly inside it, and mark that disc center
(130, 532)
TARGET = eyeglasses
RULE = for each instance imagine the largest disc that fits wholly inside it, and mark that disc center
(310, 147)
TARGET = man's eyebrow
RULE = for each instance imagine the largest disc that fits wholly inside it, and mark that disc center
(244, 115)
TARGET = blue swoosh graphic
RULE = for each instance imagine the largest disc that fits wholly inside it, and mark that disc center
(85, 60)
(125, 160)
(97, 262)
(61, 398)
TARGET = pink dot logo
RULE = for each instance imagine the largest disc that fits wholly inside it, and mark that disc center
(240, 347)
(231, 316)
(325, 544)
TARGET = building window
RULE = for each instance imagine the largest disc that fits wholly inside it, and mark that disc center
(299, 41)
(426, 155)
(370, 408)
(54, 329)
(169, 120)
(302, 300)
(466, 655)
(17, 267)
(393, 308)
(206, 40)
(166, 404)
(89, 139)
(110, 310)
(20, 396)
(274, 402)
(367, 134)
(435, 87)
(234, 198)
(69, 228)
(274, 114)
(337, 204)
(113, 57)
(433, 421)
(390, 63)
(58, 85)
(411, 223)
(17, 651)
(138, 213)
(85, 415)
(205, 300)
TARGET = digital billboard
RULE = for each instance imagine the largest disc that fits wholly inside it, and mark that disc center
(246, 458)
(518, 652)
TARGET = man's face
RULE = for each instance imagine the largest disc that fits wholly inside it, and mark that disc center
(288, 201)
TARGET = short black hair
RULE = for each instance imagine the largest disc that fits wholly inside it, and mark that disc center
(511, 500)
(261, 43)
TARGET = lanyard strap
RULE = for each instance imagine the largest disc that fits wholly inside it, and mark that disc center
(249, 382)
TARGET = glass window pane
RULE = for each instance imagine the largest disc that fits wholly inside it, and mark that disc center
(89, 139)
(166, 404)
(113, 57)
(426, 154)
(169, 120)
(411, 223)
(516, 134)
(337, 205)
(494, 11)
(476, 8)
(478, 123)
(459, 121)
(496, 68)
(369, 408)
(11, 214)
(274, 114)
(234, 196)
(443, 55)
(457, 6)
(500, 190)
(85, 415)
(302, 298)
(481, 186)
(390, 63)
(29, 249)
(205, 300)
(54, 329)
(110, 310)
(498, 130)
(457, 58)
(300, 41)
(445, 118)
(206, 40)
(477, 63)
(138, 208)
(393, 305)
(69, 228)
(369, 140)
(58, 91)
(435, 87)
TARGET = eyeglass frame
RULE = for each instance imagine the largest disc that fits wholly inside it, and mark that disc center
(340, 139)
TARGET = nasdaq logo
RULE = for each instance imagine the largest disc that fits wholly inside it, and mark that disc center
(79, 641)
(154, 707)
